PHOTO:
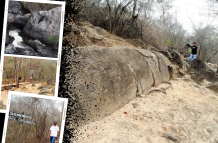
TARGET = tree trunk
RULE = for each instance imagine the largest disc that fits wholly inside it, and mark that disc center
(115, 18)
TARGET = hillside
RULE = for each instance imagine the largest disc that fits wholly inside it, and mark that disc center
(85, 34)
(187, 113)
(125, 92)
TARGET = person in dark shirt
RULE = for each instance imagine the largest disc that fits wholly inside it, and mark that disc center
(194, 51)
(19, 79)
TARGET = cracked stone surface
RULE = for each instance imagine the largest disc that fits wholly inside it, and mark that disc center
(108, 78)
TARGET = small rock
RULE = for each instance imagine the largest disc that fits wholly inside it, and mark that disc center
(23, 87)
(40, 87)
(21, 21)
(134, 105)
(13, 88)
(213, 86)
(45, 91)
(171, 137)
(181, 72)
(10, 17)
(49, 81)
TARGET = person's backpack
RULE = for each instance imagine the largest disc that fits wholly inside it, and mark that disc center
(189, 50)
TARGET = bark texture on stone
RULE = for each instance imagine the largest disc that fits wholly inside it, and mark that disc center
(105, 79)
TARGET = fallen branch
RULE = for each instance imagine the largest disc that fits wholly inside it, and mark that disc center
(167, 82)
(155, 89)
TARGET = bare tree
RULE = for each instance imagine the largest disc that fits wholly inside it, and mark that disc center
(115, 12)
(205, 32)
(17, 66)
(44, 112)
(134, 19)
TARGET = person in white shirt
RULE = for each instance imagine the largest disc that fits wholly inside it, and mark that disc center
(54, 132)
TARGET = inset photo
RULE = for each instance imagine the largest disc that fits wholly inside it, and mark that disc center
(34, 119)
(37, 76)
(2, 13)
(34, 28)
(2, 121)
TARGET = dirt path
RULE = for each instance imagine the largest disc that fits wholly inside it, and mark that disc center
(27, 88)
(186, 114)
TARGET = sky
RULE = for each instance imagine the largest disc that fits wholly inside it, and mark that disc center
(192, 9)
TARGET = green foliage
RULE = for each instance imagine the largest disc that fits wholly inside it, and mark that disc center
(20, 34)
(54, 39)
(22, 43)
(24, 37)
(169, 43)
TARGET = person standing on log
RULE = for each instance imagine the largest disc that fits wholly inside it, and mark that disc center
(193, 52)
(54, 133)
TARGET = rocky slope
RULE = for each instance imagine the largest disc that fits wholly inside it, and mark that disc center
(115, 91)
(210, 55)
(108, 78)
(104, 77)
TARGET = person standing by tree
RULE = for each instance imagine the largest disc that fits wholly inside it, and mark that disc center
(194, 52)
(54, 133)
(19, 79)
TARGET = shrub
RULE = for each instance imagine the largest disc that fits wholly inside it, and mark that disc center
(54, 39)
(169, 43)
(24, 37)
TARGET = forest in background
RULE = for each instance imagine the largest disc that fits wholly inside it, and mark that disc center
(152, 21)
(44, 112)
(16, 66)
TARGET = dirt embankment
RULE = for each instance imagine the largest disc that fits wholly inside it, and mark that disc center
(85, 34)
(187, 113)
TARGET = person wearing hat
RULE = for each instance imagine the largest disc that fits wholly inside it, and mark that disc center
(194, 52)
(54, 132)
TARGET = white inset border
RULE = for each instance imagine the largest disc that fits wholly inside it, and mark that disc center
(58, 59)
(4, 31)
(11, 93)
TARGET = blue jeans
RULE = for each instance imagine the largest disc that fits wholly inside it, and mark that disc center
(192, 57)
(52, 139)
